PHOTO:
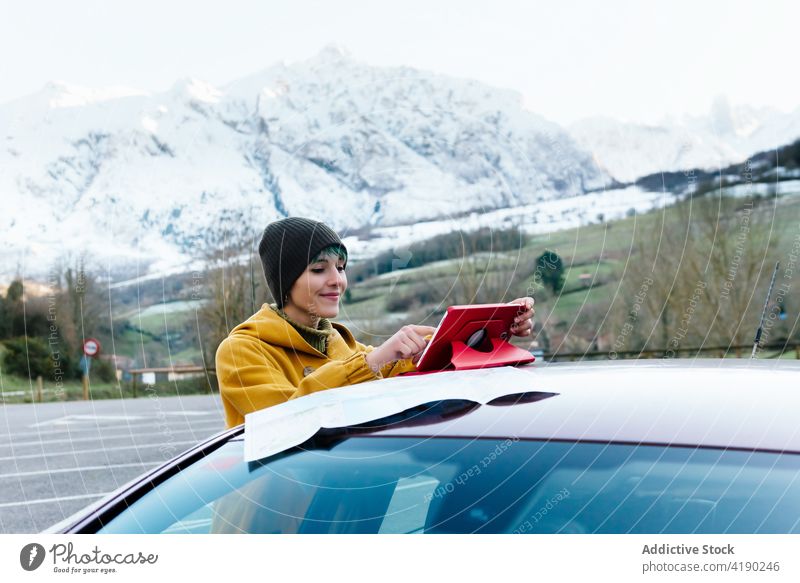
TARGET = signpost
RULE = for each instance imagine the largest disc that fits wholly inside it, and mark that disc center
(91, 348)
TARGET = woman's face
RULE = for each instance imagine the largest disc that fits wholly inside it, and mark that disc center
(316, 293)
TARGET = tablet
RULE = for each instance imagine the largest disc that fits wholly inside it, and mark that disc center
(484, 328)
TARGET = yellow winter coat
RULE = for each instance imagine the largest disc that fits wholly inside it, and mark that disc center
(265, 361)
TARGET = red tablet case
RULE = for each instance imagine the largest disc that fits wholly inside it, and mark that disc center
(448, 349)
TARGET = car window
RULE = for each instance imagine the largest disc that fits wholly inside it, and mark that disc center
(415, 485)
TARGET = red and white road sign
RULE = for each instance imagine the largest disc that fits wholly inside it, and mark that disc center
(91, 347)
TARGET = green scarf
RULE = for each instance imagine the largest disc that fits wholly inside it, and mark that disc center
(316, 337)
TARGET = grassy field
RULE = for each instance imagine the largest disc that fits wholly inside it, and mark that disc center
(601, 251)
(159, 335)
(21, 390)
(166, 334)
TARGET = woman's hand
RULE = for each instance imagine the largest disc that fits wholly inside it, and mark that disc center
(523, 323)
(408, 342)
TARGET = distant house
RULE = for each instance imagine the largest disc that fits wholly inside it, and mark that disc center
(122, 364)
(153, 375)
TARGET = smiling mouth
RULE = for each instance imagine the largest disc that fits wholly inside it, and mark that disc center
(330, 296)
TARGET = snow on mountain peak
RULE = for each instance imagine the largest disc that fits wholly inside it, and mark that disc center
(332, 52)
(728, 134)
(149, 124)
(57, 94)
(721, 116)
(366, 149)
(192, 89)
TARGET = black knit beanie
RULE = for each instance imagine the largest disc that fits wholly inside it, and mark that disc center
(287, 247)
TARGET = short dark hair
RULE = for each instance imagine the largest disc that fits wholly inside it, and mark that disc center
(337, 250)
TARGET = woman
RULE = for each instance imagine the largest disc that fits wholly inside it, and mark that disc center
(291, 348)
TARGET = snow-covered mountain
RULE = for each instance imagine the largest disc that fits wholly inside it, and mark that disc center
(120, 173)
(384, 155)
(727, 135)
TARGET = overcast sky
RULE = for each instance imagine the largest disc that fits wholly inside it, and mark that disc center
(629, 60)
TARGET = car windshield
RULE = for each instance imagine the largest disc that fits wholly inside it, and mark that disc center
(448, 485)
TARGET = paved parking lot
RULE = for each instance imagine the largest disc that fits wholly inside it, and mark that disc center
(56, 458)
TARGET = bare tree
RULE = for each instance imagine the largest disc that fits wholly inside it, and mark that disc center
(79, 303)
(232, 285)
(484, 276)
(695, 277)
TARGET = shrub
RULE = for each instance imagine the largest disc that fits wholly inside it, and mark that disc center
(452, 245)
(550, 271)
(27, 357)
(418, 295)
(103, 370)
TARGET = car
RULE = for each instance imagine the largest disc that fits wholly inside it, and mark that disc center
(646, 446)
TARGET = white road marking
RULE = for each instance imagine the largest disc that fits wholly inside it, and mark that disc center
(190, 413)
(51, 500)
(70, 419)
(104, 428)
(100, 450)
(83, 469)
(90, 418)
(94, 438)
